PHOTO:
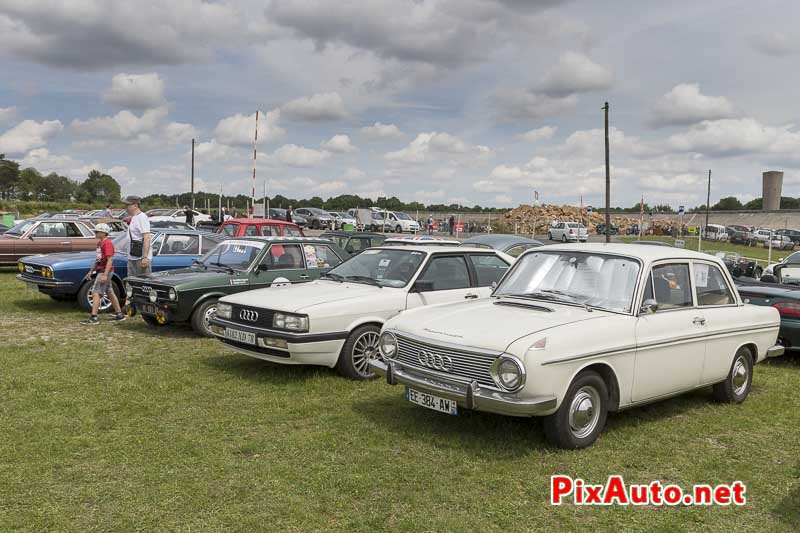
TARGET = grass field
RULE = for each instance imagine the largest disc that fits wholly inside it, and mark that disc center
(120, 427)
(690, 243)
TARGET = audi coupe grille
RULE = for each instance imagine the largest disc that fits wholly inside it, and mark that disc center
(462, 365)
(249, 316)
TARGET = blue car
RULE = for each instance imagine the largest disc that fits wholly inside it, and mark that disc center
(61, 275)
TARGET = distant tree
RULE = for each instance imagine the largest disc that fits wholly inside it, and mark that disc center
(30, 184)
(729, 203)
(9, 176)
(99, 187)
(789, 203)
(756, 203)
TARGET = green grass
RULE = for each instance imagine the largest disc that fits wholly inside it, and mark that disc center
(690, 243)
(121, 427)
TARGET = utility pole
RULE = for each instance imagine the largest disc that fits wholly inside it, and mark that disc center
(608, 181)
(708, 200)
(192, 173)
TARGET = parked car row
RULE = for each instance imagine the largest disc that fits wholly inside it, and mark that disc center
(487, 325)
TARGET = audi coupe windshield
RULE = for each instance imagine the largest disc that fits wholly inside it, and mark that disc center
(578, 278)
(377, 266)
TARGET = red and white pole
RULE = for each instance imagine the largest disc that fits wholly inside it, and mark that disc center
(253, 192)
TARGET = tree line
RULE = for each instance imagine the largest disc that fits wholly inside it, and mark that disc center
(28, 184)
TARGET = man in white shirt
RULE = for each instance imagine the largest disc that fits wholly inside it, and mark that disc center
(140, 253)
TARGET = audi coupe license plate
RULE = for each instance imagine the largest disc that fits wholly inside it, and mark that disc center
(148, 309)
(240, 336)
(431, 402)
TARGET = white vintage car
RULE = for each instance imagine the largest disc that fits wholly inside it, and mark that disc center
(575, 331)
(336, 320)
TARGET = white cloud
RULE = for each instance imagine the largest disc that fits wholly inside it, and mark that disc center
(97, 34)
(575, 73)
(316, 108)
(122, 126)
(517, 104)
(212, 151)
(776, 43)
(7, 114)
(735, 137)
(339, 144)
(382, 131)
(299, 156)
(427, 146)
(685, 104)
(179, 133)
(239, 130)
(428, 197)
(503, 200)
(136, 91)
(27, 135)
(539, 134)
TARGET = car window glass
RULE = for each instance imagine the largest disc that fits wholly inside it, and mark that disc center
(671, 286)
(447, 273)
(268, 230)
(229, 229)
(208, 244)
(291, 231)
(50, 229)
(320, 256)
(285, 257)
(516, 251)
(711, 286)
(73, 230)
(488, 268)
(251, 231)
(180, 245)
(376, 241)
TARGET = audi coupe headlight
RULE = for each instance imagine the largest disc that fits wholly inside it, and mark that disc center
(153, 296)
(224, 310)
(508, 373)
(388, 345)
(290, 322)
(128, 290)
(173, 294)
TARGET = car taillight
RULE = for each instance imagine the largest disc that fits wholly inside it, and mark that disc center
(788, 309)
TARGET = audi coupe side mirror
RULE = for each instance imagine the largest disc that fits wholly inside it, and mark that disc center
(649, 306)
(262, 267)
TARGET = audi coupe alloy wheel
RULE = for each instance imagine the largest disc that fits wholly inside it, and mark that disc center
(364, 350)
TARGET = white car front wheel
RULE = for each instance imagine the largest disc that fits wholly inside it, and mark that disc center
(582, 415)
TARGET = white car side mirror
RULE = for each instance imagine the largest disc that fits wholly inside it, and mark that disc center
(649, 306)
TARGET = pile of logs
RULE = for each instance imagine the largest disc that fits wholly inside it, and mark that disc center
(524, 217)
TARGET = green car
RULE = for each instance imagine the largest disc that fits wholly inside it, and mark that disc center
(236, 265)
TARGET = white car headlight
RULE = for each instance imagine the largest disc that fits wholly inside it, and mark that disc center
(224, 310)
(173, 294)
(128, 290)
(290, 322)
(509, 373)
(388, 345)
(153, 296)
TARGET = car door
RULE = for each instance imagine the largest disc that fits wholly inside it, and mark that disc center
(320, 258)
(445, 278)
(716, 300)
(47, 237)
(176, 250)
(487, 269)
(670, 343)
(281, 264)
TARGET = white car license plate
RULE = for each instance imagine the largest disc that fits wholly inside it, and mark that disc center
(148, 309)
(430, 401)
(240, 336)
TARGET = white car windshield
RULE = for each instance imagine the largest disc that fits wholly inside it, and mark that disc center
(387, 268)
(580, 278)
(160, 212)
(403, 216)
(236, 255)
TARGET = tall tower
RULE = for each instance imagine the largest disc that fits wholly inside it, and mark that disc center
(772, 182)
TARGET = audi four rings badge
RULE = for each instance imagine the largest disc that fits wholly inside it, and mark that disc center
(248, 315)
(435, 360)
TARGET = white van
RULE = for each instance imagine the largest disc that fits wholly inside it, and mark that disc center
(715, 232)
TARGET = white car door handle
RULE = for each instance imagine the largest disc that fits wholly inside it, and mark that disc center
(699, 320)
(470, 296)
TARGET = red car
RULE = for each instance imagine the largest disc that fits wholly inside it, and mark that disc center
(259, 227)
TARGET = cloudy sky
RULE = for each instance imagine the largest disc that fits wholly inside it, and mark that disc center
(453, 101)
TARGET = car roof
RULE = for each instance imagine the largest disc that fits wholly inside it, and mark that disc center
(283, 239)
(646, 253)
(501, 240)
(187, 232)
(435, 249)
(351, 234)
(257, 221)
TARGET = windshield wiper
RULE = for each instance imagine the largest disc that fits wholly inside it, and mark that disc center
(364, 279)
(226, 267)
(196, 262)
(334, 277)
